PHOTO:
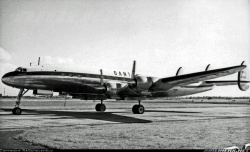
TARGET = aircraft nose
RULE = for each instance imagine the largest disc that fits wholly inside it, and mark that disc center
(6, 79)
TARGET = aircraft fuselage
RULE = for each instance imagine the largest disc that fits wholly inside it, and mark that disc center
(85, 83)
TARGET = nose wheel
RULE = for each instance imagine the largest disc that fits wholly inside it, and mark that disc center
(17, 110)
(138, 109)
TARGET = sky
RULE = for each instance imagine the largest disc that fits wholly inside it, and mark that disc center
(161, 35)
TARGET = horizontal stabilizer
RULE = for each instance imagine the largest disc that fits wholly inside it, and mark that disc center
(186, 79)
(201, 76)
(225, 83)
(241, 82)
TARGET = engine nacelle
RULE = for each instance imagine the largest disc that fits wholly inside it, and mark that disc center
(112, 88)
(43, 92)
(142, 82)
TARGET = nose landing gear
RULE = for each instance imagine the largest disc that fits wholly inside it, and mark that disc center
(17, 110)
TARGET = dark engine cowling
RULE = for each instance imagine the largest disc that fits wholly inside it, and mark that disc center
(110, 89)
(141, 82)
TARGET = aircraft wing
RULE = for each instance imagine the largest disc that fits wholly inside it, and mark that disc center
(181, 80)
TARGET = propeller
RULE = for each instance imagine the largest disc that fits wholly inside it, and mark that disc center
(132, 83)
(133, 70)
(101, 88)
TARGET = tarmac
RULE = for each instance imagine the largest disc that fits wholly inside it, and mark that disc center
(157, 112)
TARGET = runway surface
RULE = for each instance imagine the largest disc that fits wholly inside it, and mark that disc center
(165, 124)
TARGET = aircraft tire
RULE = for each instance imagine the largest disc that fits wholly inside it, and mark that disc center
(134, 109)
(138, 109)
(100, 107)
(17, 111)
(97, 107)
(141, 109)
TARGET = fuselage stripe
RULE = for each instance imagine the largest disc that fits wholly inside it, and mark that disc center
(69, 74)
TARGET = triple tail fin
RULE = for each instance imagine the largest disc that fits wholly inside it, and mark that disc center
(242, 79)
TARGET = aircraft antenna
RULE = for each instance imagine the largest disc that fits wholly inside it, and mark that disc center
(38, 60)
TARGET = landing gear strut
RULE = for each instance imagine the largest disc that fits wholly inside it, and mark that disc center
(100, 107)
(138, 109)
(17, 110)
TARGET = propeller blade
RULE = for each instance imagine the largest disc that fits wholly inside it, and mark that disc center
(101, 78)
(133, 70)
(132, 83)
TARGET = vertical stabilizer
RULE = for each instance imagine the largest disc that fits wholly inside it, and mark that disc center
(179, 71)
(208, 67)
(243, 79)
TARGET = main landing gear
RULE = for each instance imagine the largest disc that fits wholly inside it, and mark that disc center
(138, 109)
(100, 107)
(17, 110)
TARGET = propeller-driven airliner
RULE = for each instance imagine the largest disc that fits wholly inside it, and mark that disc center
(118, 85)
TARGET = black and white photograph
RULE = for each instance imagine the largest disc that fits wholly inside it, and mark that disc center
(125, 74)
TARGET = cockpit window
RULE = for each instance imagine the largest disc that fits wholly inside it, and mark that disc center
(20, 69)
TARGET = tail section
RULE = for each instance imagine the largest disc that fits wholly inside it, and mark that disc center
(243, 79)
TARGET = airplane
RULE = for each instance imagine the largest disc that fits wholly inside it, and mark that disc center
(117, 84)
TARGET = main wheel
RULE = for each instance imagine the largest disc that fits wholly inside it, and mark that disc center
(138, 109)
(100, 107)
(134, 109)
(17, 111)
